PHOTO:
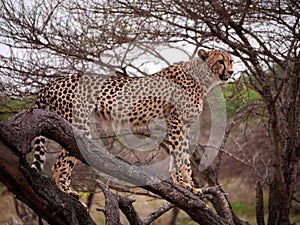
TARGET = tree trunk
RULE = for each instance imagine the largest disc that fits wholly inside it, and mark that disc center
(259, 204)
(279, 205)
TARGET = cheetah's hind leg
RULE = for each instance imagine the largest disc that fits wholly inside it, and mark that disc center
(62, 172)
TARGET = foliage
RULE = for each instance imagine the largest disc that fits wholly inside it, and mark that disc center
(239, 98)
(11, 106)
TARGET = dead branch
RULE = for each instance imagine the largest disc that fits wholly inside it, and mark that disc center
(111, 211)
(129, 211)
(157, 213)
(114, 201)
(175, 213)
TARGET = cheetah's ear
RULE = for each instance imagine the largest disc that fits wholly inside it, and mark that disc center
(202, 54)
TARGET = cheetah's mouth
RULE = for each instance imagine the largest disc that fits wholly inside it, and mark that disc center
(223, 77)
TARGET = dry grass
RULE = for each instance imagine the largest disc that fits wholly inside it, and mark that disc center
(242, 197)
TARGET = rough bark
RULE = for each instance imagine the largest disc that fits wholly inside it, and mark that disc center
(38, 192)
(259, 204)
(111, 211)
(46, 200)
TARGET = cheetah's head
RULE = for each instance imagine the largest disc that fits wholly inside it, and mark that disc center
(220, 62)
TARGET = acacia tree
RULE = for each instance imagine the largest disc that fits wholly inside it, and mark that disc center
(50, 39)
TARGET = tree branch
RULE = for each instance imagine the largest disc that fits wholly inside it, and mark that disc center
(37, 191)
(125, 204)
(157, 213)
(111, 205)
(18, 132)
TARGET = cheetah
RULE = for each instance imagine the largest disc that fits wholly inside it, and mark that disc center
(174, 94)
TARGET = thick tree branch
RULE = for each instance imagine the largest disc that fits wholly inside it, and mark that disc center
(37, 191)
(16, 136)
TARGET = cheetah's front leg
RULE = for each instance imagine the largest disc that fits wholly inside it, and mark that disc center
(180, 165)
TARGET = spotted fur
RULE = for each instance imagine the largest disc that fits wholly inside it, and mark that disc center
(174, 94)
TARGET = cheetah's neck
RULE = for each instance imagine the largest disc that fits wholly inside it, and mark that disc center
(200, 73)
(196, 74)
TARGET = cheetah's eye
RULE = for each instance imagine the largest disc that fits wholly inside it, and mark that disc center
(231, 61)
(221, 61)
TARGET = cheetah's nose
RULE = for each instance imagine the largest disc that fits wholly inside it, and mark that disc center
(230, 72)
